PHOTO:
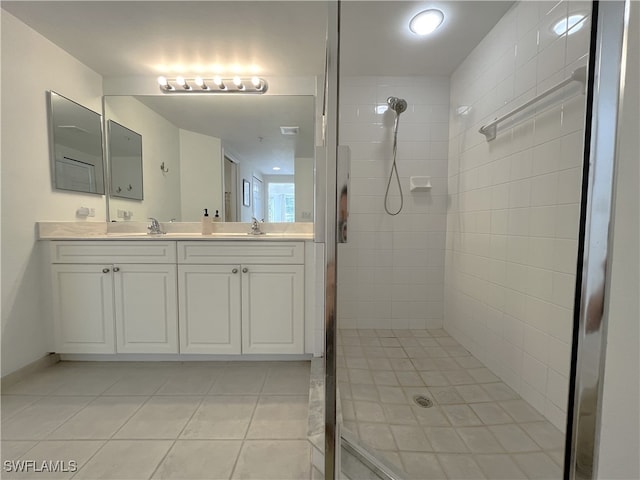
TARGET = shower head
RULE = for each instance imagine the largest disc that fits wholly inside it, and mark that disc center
(398, 105)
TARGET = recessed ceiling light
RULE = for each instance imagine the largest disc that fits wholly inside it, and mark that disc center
(276, 169)
(426, 22)
(569, 25)
(293, 130)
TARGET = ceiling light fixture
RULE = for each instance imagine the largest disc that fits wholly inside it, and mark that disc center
(289, 130)
(426, 22)
(276, 169)
(569, 25)
(236, 84)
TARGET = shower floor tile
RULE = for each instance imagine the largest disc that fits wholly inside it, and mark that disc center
(478, 427)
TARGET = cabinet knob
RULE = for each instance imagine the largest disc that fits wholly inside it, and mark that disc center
(245, 270)
(116, 269)
(235, 270)
(105, 270)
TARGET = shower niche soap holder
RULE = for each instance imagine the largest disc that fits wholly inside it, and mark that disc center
(419, 184)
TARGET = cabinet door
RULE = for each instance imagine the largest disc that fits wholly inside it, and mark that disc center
(83, 309)
(272, 309)
(209, 308)
(146, 308)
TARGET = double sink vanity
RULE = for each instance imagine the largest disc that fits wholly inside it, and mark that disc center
(119, 291)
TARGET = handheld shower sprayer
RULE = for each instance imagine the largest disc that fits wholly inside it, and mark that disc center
(398, 105)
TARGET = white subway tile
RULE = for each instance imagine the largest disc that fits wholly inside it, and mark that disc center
(536, 343)
(518, 221)
(534, 373)
(527, 17)
(541, 252)
(565, 255)
(569, 185)
(557, 388)
(560, 323)
(573, 114)
(551, 60)
(544, 190)
(519, 193)
(548, 157)
(527, 47)
(578, 40)
(559, 356)
(548, 124)
(571, 151)
(542, 222)
(563, 289)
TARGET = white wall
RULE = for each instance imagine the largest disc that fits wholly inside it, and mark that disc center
(201, 171)
(31, 65)
(304, 172)
(160, 143)
(620, 427)
(512, 222)
(390, 273)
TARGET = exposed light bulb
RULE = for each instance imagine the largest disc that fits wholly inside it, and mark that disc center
(218, 81)
(164, 83)
(255, 81)
(183, 83)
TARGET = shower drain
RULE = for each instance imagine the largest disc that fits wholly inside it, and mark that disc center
(423, 401)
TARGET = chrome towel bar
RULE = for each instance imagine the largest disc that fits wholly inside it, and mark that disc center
(490, 129)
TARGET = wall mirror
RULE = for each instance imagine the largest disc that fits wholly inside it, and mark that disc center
(200, 148)
(125, 161)
(76, 146)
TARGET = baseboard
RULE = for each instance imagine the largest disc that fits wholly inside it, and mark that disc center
(34, 367)
(177, 357)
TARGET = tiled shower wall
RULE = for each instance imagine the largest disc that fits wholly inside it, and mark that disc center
(391, 272)
(513, 219)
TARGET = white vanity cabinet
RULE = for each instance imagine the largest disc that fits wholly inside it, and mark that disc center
(241, 297)
(114, 297)
(210, 310)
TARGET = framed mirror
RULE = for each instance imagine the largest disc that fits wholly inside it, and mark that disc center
(125, 162)
(76, 146)
(199, 148)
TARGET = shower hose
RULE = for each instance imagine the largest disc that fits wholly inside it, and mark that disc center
(394, 169)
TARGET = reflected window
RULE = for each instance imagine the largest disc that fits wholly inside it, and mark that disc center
(281, 202)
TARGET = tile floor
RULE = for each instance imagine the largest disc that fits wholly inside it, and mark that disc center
(244, 420)
(477, 428)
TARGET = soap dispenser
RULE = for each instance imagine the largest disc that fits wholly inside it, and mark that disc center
(216, 217)
(207, 225)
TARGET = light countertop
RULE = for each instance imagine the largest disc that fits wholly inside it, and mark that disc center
(174, 231)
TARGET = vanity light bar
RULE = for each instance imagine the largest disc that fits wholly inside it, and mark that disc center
(253, 85)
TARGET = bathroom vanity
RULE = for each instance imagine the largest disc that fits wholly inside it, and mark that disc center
(179, 294)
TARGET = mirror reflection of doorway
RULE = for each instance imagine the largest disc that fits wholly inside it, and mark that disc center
(257, 200)
(230, 213)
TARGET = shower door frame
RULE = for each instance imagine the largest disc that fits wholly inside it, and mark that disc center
(605, 86)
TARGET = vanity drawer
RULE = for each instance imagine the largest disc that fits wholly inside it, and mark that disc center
(113, 252)
(247, 252)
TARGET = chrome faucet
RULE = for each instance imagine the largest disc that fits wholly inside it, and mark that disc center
(154, 227)
(255, 227)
